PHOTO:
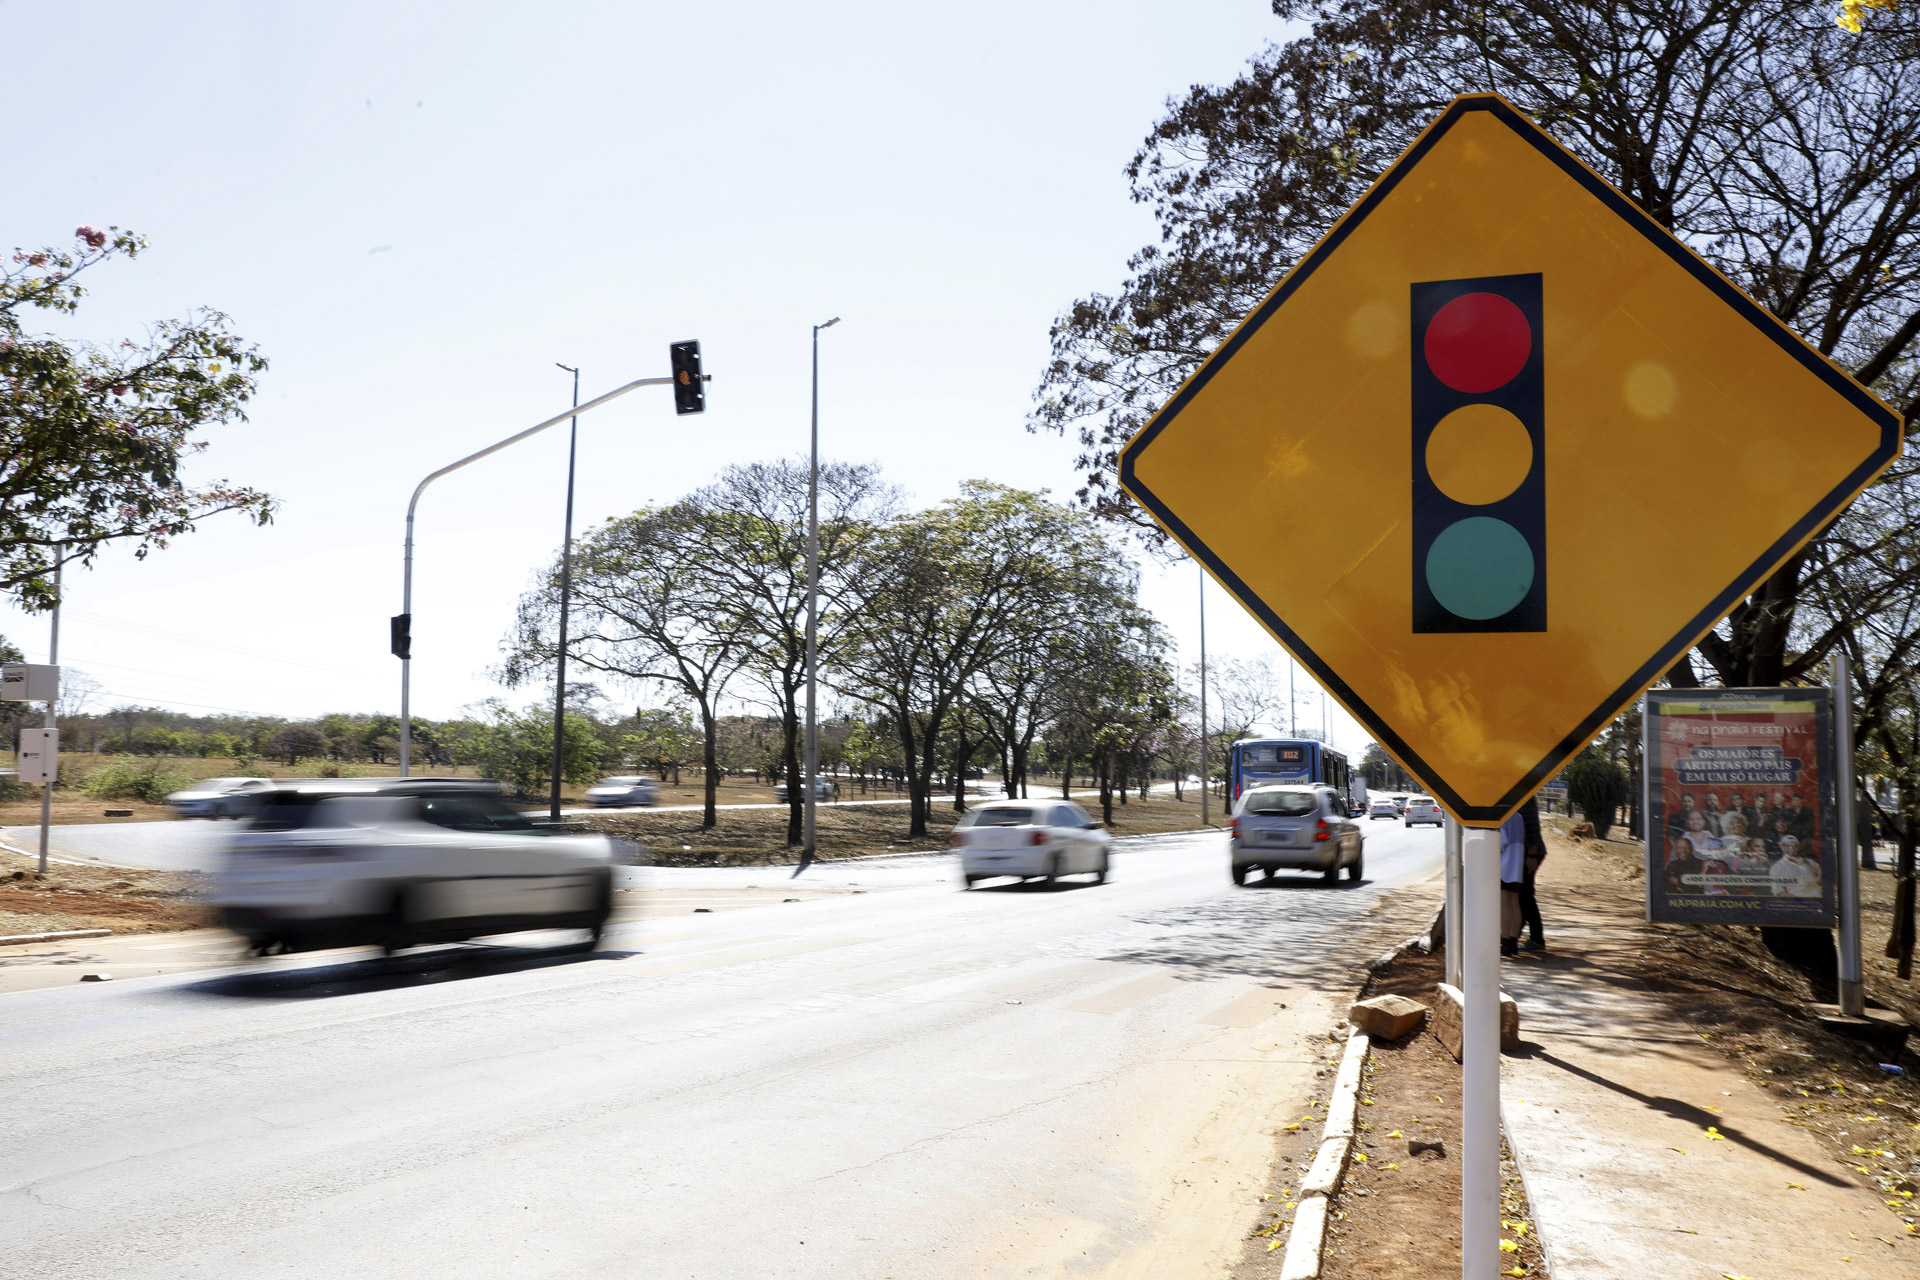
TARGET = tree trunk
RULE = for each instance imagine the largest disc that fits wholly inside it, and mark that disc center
(1104, 763)
(796, 783)
(960, 770)
(1066, 780)
(1900, 938)
(710, 761)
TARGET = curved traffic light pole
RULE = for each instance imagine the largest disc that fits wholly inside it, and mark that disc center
(403, 625)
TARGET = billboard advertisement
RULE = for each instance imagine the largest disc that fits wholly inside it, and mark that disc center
(1740, 806)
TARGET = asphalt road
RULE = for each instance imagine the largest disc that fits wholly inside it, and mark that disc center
(891, 1078)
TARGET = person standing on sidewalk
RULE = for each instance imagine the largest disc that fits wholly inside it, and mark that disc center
(1533, 854)
(1513, 871)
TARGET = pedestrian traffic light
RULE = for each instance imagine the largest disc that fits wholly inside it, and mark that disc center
(400, 630)
(689, 385)
(1479, 456)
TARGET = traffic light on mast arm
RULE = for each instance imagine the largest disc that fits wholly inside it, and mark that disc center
(1479, 456)
(689, 384)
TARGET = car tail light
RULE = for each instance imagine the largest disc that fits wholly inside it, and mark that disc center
(1039, 837)
(1233, 827)
(956, 839)
(1321, 831)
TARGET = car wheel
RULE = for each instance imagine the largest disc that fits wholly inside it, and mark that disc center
(394, 935)
(1353, 872)
(1100, 876)
(1332, 874)
(1240, 875)
(602, 910)
(1052, 878)
(966, 883)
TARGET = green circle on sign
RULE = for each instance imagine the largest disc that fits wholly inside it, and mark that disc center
(1479, 568)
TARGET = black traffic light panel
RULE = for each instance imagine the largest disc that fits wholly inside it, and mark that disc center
(1479, 456)
(400, 629)
(689, 385)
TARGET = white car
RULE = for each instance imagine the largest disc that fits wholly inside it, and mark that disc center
(1422, 809)
(400, 862)
(619, 792)
(1298, 828)
(1383, 809)
(220, 797)
(1031, 840)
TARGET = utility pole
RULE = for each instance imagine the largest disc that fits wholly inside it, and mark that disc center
(813, 615)
(1205, 781)
(53, 742)
(566, 591)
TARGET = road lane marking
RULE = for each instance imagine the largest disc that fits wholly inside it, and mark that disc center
(1248, 1010)
(1129, 994)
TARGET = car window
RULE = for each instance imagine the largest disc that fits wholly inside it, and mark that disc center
(283, 811)
(358, 811)
(998, 818)
(1283, 803)
(1077, 816)
(473, 812)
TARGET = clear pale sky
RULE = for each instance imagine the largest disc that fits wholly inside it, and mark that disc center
(416, 210)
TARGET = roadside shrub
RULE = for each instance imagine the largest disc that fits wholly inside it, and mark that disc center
(1598, 787)
(150, 779)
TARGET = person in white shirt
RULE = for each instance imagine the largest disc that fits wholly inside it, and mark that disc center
(1795, 875)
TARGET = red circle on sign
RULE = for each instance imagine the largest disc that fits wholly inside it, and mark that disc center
(1478, 342)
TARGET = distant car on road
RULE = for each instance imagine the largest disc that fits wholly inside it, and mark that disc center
(1383, 809)
(622, 791)
(1031, 840)
(398, 862)
(220, 797)
(823, 789)
(1422, 809)
(1299, 828)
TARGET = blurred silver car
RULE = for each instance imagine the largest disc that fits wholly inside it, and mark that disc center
(1423, 809)
(220, 797)
(1299, 828)
(823, 789)
(397, 863)
(1031, 839)
(630, 790)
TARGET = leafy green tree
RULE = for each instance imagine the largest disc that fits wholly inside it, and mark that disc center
(92, 438)
(647, 609)
(1597, 785)
(516, 747)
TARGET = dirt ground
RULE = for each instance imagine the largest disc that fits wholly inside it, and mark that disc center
(1752, 1007)
(74, 897)
(757, 837)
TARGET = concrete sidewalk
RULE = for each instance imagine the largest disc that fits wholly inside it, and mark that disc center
(1608, 1108)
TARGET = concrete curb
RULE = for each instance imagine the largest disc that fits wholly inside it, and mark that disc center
(1308, 1240)
(65, 935)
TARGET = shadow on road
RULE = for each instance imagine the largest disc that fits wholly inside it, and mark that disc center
(1305, 880)
(377, 973)
(1036, 886)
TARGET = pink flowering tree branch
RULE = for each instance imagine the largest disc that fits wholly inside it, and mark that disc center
(92, 438)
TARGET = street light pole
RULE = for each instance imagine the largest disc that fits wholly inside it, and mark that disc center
(1205, 781)
(404, 623)
(53, 659)
(813, 613)
(566, 589)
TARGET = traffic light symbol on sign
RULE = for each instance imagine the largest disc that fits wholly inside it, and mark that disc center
(689, 387)
(1479, 456)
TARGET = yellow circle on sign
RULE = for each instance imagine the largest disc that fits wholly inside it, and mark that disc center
(1479, 454)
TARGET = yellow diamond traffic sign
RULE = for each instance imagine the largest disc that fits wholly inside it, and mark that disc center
(1497, 453)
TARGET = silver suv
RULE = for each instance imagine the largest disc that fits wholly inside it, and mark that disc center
(400, 862)
(1297, 828)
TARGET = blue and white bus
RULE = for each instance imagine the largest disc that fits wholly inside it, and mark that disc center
(1252, 761)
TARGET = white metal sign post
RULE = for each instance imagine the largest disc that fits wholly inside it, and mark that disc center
(1480, 1053)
